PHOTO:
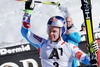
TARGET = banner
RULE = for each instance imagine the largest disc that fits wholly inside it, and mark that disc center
(23, 55)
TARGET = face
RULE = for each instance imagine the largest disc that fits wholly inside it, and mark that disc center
(83, 28)
(68, 22)
(54, 33)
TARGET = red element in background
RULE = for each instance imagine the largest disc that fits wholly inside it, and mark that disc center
(39, 50)
(98, 54)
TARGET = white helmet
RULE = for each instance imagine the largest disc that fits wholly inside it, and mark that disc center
(57, 21)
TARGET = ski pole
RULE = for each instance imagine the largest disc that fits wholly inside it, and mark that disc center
(47, 2)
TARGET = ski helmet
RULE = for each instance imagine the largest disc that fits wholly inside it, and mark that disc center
(57, 21)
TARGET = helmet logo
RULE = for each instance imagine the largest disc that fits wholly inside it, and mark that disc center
(54, 19)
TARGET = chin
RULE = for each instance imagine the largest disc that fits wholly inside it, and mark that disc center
(53, 40)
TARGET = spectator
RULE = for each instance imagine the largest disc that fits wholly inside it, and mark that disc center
(83, 27)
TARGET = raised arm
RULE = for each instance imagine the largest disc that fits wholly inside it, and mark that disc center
(34, 40)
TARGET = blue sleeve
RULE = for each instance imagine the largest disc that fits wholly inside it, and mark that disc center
(86, 60)
(75, 37)
(24, 33)
(64, 37)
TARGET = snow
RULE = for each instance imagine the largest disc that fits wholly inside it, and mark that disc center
(11, 14)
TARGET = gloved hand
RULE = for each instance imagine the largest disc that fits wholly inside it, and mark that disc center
(29, 5)
(95, 46)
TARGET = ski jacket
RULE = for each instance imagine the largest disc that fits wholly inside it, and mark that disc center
(53, 54)
(74, 37)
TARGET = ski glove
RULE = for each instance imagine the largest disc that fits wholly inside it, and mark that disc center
(29, 5)
(95, 46)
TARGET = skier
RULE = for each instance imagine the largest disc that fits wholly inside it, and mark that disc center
(72, 36)
(54, 52)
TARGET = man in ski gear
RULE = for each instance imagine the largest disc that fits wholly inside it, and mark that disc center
(72, 36)
(54, 52)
